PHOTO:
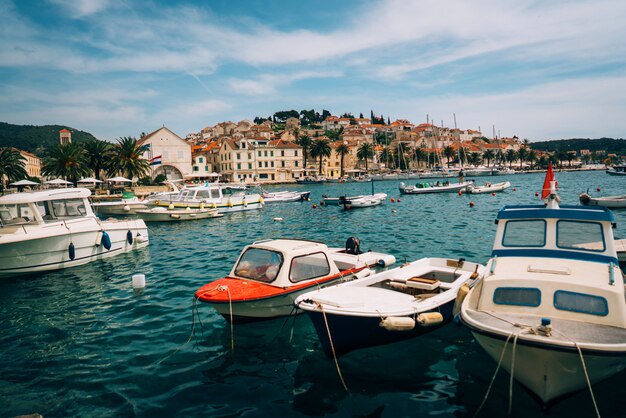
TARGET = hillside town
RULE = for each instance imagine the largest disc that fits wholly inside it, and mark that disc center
(288, 149)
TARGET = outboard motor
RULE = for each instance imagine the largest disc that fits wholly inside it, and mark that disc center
(353, 246)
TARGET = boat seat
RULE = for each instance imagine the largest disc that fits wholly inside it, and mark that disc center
(422, 283)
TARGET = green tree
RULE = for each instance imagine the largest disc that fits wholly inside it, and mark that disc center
(127, 158)
(419, 155)
(321, 149)
(97, 153)
(449, 153)
(522, 154)
(305, 142)
(510, 156)
(531, 158)
(474, 158)
(489, 155)
(66, 161)
(342, 150)
(365, 152)
(12, 165)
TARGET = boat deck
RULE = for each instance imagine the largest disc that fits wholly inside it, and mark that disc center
(564, 332)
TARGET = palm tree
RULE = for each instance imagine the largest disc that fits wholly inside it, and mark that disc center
(66, 161)
(305, 142)
(12, 165)
(126, 158)
(365, 152)
(320, 148)
(474, 158)
(342, 150)
(511, 155)
(531, 157)
(489, 155)
(522, 154)
(419, 155)
(449, 153)
(98, 153)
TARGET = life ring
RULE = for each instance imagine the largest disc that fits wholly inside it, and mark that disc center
(156, 202)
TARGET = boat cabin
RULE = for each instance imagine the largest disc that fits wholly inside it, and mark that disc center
(285, 262)
(32, 208)
(559, 263)
(206, 193)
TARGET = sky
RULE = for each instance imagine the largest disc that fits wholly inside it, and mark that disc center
(539, 70)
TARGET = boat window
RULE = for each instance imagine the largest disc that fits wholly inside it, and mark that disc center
(580, 235)
(68, 208)
(308, 267)
(202, 194)
(520, 296)
(259, 264)
(16, 214)
(580, 302)
(526, 233)
(215, 194)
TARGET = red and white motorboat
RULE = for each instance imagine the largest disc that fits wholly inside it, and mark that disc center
(269, 275)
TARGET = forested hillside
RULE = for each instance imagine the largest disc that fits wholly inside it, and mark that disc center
(36, 139)
(610, 145)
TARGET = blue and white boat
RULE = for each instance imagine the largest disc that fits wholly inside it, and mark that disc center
(551, 306)
(389, 306)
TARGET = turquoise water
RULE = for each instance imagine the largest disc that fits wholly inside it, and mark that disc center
(81, 342)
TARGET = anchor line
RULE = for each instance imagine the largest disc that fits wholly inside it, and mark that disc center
(332, 347)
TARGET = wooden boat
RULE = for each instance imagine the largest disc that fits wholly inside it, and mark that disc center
(552, 308)
(389, 306)
(160, 214)
(613, 202)
(270, 274)
(488, 187)
(444, 187)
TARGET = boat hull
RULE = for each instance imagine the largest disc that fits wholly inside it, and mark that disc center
(351, 332)
(551, 372)
(241, 311)
(433, 189)
(614, 202)
(223, 206)
(40, 253)
(176, 216)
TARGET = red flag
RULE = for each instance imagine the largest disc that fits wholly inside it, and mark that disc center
(545, 192)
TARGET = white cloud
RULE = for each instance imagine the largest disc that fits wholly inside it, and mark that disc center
(271, 83)
(81, 8)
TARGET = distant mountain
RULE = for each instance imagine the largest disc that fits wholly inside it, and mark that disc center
(610, 145)
(36, 139)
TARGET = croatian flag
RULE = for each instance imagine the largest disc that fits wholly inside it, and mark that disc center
(156, 160)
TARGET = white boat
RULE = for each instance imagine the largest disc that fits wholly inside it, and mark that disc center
(551, 307)
(488, 187)
(443, 187)
(311, 180)
(478, 171)
(335, 201)
(617, 170)
(613, 202)
(364, 201)
(161, 214)
(120, 206)
(270, 274)
(214, 195)
(56, 228)
(284, 196)
(389, 306)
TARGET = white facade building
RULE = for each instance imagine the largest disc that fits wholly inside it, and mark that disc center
(174, 151)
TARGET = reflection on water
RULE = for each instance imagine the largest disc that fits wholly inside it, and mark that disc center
(81, 342)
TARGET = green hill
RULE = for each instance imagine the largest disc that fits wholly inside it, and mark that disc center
(610, 145)
(36, 139)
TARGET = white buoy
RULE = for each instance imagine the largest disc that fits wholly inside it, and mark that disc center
(126, 208)
(139, 281)
(277, 219)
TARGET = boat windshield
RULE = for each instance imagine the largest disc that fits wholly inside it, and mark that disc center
(259, 264)
(16, 214)
(580, 235)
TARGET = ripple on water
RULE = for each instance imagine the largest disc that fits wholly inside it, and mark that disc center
(81, 342)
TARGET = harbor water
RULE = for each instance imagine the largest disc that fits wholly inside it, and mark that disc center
(83, 342)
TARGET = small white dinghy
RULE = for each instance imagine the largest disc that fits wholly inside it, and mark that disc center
(613, 202)
(160, 214)
(364, 201)
(488, 187)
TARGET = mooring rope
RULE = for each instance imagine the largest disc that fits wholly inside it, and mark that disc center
(193, 325)
(222, 288)
(494, 376)
(512, 373)
(332, 347)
